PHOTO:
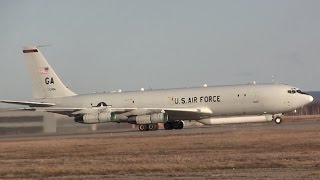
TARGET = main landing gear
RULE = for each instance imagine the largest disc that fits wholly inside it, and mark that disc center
(148, 127)
(168, 126)
(173, 125)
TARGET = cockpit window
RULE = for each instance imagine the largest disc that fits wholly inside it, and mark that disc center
(300, 92)
(296, 91)
(291, 91)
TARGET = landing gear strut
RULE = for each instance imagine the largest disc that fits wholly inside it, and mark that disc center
(173, 125)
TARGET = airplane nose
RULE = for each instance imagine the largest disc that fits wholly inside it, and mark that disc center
(310, 98)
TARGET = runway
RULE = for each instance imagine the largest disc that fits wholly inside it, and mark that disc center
(239, 151)
(286, 125)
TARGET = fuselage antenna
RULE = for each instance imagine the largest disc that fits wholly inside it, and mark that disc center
(272, 79)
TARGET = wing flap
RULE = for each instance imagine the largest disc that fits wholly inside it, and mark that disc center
(188, 113)
(201, 110)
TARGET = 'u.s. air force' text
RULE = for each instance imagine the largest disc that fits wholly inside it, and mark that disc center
(201, 99)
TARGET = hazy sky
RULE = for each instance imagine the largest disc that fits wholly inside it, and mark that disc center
(109, 45)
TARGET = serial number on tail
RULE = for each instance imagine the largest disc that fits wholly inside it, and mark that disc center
(201, 99)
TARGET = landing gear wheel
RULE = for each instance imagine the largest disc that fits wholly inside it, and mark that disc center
(168, 126)
(152, 127)
(143, 127)
(277, 120)
(156, 126)
(178, 125)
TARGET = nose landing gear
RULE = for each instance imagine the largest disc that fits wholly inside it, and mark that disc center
(278, 120)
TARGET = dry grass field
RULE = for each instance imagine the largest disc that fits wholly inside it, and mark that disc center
(239, 154)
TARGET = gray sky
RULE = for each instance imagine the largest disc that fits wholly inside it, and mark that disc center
(109, 45)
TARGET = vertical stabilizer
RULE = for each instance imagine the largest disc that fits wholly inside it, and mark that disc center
(45, 82)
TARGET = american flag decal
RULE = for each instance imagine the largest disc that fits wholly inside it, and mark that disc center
(43, 70)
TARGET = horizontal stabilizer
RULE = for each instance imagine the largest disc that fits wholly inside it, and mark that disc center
(17, 109)
(28, 103)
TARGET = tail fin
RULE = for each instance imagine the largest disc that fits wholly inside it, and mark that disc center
(45, 82)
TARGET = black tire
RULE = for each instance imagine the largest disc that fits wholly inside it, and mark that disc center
(156, 126)
(181, 125)
(176, 125)
(151, 127)
(143, 127)
(167, 126)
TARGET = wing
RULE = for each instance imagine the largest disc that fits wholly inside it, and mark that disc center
(180, 113)
(72, 112)
(173, 113)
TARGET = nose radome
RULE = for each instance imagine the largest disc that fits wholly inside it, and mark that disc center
(310, 98)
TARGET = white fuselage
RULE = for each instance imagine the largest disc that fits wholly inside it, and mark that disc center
(233, 100)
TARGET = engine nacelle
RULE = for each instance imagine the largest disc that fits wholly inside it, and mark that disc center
(94, 118)
(149, 119)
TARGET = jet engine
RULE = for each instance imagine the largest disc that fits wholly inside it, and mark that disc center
(149, 119)
(93, 118)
